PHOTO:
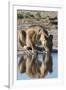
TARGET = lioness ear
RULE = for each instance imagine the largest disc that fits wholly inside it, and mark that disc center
(50, 37)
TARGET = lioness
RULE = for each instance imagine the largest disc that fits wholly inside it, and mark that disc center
(34, 35)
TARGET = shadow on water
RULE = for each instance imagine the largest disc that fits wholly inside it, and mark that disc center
(37, 66)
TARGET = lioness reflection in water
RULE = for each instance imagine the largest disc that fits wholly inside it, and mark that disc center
(35, 68)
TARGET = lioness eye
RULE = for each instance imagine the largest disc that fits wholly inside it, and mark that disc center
(46, 37)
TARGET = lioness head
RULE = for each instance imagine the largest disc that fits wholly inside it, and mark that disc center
(45, 40)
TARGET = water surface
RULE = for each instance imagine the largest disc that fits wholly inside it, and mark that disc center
(54, 74)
